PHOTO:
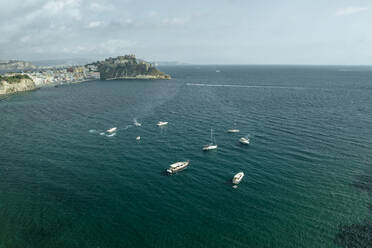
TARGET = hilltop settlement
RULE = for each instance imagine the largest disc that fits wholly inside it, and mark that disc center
(29, 77)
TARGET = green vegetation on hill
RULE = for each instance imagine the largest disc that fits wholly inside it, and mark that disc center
(128, 67)
(14, 79)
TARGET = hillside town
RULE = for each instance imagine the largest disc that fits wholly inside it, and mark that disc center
(61, 76)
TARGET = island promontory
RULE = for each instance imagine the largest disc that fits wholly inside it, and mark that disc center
(128, 67)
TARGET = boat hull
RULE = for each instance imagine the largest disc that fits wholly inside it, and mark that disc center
(233, 131)
(162, 124)
(208, 148)
(238, 178)
(181, 167)
(244, 141)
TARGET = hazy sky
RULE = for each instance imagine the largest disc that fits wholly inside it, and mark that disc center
(203, 31)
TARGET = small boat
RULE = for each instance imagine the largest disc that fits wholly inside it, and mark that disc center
(162, 123)
(176, 167)
(237, 178)
(138, 138)
(233, 131)
(111, 130)
(244, 141)
(212, 145)
(218, 71)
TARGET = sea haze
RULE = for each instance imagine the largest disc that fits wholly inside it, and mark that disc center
(63, 184)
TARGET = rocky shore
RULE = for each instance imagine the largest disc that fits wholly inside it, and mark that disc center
(13, 84)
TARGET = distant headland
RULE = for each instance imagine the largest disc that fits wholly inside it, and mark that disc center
(29, 77)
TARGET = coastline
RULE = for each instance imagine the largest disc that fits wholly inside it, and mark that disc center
(139, 77)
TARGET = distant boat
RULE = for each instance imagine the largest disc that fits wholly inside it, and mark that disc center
(136, 123)
(138, 138)
(162, 123)
(176, 167)
(244, 141)
(212, 145)
(218, 71)
(111, 130)
(233, 131)
(237, 178)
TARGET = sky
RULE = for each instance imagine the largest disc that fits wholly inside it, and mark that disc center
(199, 32)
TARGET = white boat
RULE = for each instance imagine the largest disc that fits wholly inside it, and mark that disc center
(237, 178)
(162, 123)
(178, 167)
(218, 71)
(244, 141)
(111, 130)
(138, 138)
(233, 131)
(136, 123)
(210, 146)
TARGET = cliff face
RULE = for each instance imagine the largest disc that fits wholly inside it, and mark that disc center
(13, 86)
(128, 67)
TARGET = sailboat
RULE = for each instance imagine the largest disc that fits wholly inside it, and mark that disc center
(210, 146)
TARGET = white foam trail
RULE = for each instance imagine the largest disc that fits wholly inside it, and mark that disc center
(247, 86)
(102, 133)
(125, 128)
(92, 131)
(111, 135)
(136, 123)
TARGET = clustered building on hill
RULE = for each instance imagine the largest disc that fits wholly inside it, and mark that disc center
(62, 75)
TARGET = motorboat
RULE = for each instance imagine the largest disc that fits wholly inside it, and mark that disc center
(178, 166)
(212, 145)
(233, 131)
(111, 130)
(138, 138)
(162, 123)
(237, 178)
(244, 141)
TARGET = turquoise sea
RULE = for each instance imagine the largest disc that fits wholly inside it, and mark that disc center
(307, 170)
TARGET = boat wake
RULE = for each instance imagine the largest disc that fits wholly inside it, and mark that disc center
(247, 86)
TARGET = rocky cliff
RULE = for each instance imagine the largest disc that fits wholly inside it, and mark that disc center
(128, 67)
(16, 83)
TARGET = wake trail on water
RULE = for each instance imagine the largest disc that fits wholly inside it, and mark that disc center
(247, 86)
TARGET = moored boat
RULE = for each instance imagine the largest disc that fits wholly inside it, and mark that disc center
(244, 141)
(111, 130)
(233, 131)
(238, 178)
(209, 147)
(212, 145)
(162, 123)
(178, 166)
